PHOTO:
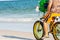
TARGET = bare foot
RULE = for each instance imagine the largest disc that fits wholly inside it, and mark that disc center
(46, 36)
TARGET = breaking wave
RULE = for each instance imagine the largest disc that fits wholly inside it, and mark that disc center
(17, 19)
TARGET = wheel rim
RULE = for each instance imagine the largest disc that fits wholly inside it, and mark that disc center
(38, 30)
(58, 31)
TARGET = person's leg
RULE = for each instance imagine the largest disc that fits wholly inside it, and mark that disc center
(46, 29)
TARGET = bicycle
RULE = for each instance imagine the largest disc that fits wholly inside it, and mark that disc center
(54, 26)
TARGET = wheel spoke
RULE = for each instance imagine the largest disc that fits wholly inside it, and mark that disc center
(38, 30)
(58, 31)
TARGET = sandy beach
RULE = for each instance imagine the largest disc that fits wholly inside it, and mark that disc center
(14, 35)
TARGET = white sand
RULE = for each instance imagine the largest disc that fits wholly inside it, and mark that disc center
(16, 34)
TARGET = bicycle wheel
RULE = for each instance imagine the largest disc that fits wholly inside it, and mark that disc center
(38, 30)
(56, 31)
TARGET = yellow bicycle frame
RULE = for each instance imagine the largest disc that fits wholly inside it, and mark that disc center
(52, 15)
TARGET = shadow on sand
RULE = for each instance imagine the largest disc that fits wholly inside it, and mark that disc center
(16, 37)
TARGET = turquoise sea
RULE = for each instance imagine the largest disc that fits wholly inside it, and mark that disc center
(22, 8)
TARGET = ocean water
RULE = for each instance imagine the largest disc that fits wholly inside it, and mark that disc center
(18, 9)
